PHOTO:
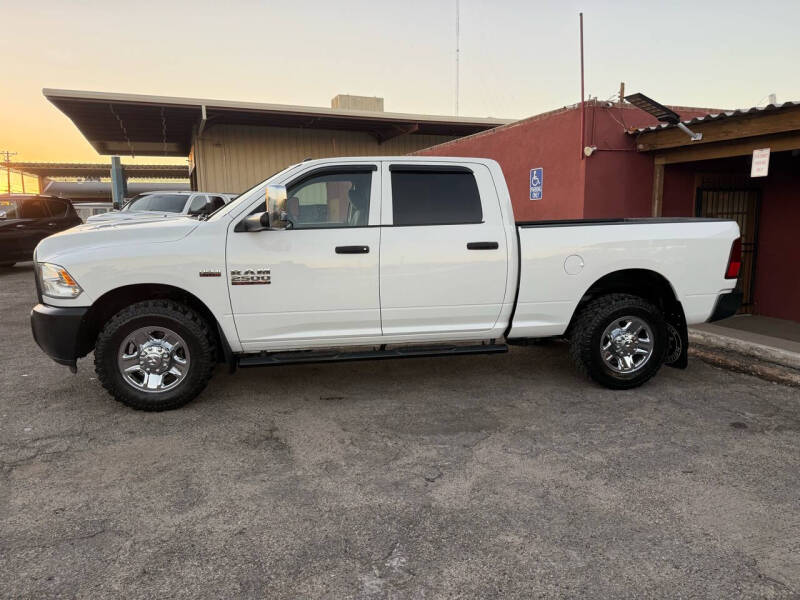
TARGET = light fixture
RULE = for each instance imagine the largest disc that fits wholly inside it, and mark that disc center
(662, 114)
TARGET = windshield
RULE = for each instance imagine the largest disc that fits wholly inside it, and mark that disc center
(8, 208)
(171, 203)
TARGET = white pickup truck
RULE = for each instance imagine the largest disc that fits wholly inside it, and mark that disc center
(358, 258)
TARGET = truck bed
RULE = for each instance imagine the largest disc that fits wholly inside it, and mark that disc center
(561, 260)
(619, 221)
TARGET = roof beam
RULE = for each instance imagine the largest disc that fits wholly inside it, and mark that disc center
(384, 135)
(731, 128)
(776, 143)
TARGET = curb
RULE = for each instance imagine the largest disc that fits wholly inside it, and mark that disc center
(772, 364)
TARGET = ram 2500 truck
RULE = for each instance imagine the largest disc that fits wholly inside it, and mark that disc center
(357, 258)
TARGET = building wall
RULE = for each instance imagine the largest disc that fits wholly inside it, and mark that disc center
(619, 180)
(233, 158)
(776, 288)
(615, 181)
(678, 198)
(777, 283)
(550, 141)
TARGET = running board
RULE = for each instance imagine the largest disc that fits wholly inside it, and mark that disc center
(270, 359)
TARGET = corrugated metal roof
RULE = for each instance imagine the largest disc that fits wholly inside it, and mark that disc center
(722, 115)
(162, 125)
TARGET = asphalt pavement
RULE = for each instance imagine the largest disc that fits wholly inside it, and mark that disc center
(502, 476)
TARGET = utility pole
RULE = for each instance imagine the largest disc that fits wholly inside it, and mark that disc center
(458, 36)
(8, 167)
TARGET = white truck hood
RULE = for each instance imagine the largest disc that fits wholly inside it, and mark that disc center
(95, 236)
(130, 215)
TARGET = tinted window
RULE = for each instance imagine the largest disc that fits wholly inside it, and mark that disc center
(216, 203)
(434, 198)
(338, 199)
(58, 208)
(33, 209)
(172, 203)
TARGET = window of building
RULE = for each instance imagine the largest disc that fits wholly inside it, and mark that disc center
(427, 197)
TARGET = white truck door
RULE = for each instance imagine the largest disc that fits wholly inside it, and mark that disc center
(444, 251)
(316, 283)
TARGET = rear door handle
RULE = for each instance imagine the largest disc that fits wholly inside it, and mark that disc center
(482, 246)
(352, 249)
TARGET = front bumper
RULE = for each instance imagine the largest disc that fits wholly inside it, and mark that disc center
(58, 331)
(726, 306)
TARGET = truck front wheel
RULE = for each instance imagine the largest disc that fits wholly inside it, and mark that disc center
(155, 355)
(619, 340)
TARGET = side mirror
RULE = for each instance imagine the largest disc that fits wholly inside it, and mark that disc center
(256, 222)
(276, 207)
(205, 209)
(3, 215)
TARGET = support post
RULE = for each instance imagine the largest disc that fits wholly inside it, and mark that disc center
(658, 189)
(583, 102)
(118, 183)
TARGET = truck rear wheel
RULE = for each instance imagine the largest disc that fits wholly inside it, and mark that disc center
(155, 355)
(619, 340)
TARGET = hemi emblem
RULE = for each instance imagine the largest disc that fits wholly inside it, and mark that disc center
(251, 277)
(210, 274)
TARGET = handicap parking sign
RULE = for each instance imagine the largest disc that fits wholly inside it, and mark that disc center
(537, 176)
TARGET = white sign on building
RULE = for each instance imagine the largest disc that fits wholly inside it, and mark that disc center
(760, 163)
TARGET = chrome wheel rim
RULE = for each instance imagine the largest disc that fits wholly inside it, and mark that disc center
(153, 359)
(627, 345)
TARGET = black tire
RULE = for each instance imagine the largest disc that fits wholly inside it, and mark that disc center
(589, 326)
(191, 326)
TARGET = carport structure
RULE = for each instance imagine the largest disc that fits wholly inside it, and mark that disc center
(711, 177)
(119, 174)
(45, 170)
(233, 145)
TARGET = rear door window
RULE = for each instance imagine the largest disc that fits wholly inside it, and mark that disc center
(434, 197)
(33, 208)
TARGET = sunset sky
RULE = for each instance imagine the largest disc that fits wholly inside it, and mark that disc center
(517, 58)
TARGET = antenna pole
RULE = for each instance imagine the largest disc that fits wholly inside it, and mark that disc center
(583, 105)
(458, 36)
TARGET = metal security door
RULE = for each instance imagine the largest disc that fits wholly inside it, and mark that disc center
(741, 206)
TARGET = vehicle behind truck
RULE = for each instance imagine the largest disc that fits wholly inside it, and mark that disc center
(359, 258)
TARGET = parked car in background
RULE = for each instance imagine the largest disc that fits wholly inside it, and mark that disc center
(163, 204)
(89, 209)
(25, 220)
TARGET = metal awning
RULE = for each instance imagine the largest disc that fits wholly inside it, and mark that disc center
(45, 169)
(143, 125)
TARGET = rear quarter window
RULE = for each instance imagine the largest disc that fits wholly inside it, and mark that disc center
(58, 208)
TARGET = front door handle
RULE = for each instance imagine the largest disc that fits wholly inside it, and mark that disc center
(352, 249)
(482, 246)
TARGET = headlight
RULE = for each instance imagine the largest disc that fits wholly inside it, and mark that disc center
(56, 282)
